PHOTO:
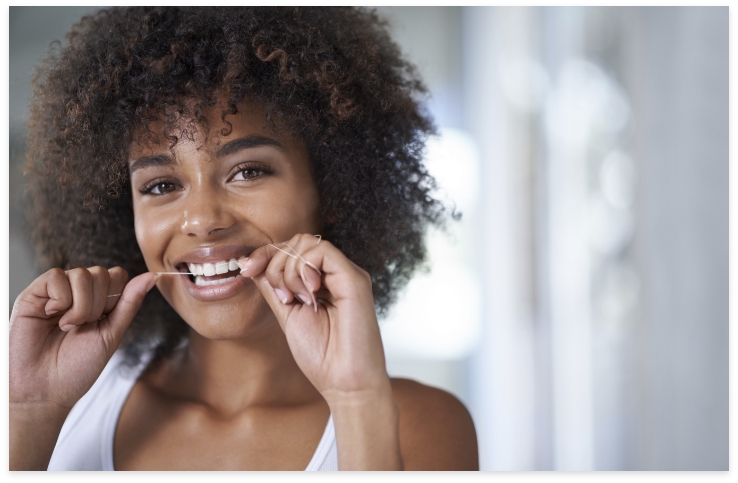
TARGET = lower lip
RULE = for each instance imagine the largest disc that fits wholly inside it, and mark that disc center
(211, 293)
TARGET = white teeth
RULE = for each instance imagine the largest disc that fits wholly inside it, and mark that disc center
(221, 267)
(210, 269)
(201, 281)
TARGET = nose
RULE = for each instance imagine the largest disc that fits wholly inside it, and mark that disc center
(206, 213)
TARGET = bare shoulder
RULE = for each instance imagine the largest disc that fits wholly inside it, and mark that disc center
(436, 430)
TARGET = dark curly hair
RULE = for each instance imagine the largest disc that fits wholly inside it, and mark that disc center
(332, 76)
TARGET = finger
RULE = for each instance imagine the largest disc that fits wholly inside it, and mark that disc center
(115, 324)
(275, 274)
(48, 295)
(100, 282)
(340, 276)
(256, 262)
(260, 261)
(293, 281)
(281, 310)
(57, 289)
(118, 280)
(80, 281)
(310, 278)
(294, 270)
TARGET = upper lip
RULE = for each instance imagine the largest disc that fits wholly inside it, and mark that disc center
(214, 254)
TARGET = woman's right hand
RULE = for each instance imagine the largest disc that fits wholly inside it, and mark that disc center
(63, 330)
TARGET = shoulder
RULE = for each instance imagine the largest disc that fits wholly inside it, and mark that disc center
(436, 430)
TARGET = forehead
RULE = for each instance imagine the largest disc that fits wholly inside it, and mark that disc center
(210, 132)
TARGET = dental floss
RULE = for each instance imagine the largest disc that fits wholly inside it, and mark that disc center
(302, 274)
(297, 256)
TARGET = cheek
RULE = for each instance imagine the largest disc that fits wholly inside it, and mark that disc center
(152, 234)
(286, 215)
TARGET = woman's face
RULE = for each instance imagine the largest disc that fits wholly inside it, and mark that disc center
(215, 198)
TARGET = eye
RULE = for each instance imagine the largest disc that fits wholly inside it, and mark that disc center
(158, 188)
(250, 172)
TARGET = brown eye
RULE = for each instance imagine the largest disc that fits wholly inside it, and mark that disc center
(247, 174)
(250, 172)
(159, 188)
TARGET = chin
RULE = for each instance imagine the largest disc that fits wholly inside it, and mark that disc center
(228, 318)
(227, 321)
(227, 331)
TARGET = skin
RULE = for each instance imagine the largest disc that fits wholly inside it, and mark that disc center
(266, 364)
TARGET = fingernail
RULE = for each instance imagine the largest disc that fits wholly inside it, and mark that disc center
(244, 263)
(303, 299)
(307, 283)
(282, 296)
(152, 283)
(52, 312)
(67, 328)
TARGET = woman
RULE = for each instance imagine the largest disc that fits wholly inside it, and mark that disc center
(268, 161)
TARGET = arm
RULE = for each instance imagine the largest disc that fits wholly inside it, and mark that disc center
(34, 429)
(367, 431)
(324, 304)
(59, 345)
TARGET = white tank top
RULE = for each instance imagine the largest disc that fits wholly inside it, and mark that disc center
(86, 439)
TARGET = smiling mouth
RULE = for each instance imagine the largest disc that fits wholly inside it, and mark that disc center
(203, 274)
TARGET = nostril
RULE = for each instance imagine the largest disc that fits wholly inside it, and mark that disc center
(205, 221)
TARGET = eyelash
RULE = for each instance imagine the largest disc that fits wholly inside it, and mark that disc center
(249, 166)
(147, 190)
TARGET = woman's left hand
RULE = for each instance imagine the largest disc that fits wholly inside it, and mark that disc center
(329, 320)
(324, 304)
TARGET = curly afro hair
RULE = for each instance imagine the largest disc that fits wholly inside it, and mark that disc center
(332, 76)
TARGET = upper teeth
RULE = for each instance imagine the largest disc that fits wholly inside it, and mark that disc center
(210, 269)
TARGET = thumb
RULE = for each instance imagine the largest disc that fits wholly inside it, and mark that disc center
(117, 321)
(281, 311)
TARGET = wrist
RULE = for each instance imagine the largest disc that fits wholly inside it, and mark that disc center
(38, 410)
(367, 406)
(378, 391)
(367, 429)
(33, 431)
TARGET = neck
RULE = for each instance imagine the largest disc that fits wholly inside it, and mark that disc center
(230, 376)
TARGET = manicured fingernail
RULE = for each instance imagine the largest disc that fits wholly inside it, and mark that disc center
(282, 296)
(303, 299)
(244, 263)
(307, 283)
(67, 328)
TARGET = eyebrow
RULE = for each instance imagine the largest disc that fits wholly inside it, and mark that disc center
(230, 147)
(246, 142)
(150, 161)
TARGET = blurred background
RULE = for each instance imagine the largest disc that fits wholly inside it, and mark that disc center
(580, 307)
